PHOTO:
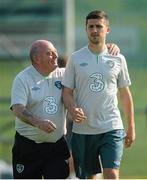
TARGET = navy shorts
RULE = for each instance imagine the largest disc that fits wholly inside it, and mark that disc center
(91, 152)
(40, 160)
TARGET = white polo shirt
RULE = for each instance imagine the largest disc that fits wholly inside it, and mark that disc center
(96, 79)
(42, 96)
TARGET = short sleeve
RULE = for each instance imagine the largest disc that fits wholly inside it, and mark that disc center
(123, 77)
(69, 75)
(19, 92)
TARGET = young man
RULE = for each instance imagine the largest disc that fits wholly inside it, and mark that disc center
(91, 81)
(40, 149)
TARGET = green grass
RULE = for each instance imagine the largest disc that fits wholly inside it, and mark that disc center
(135, 158)
(138, 87)
(134, 161)
(8, 70)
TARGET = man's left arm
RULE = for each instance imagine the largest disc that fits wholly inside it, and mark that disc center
(128, 109)
(113, 49)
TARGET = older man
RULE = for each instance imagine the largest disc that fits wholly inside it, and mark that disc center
(40, 149)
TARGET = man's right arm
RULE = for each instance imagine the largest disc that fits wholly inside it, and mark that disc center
(28, 117)
(76, 112)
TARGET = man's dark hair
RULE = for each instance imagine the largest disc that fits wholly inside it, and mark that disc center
(96, 14)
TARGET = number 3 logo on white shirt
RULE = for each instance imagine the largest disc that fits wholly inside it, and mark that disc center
(98, 84)
(50, 105)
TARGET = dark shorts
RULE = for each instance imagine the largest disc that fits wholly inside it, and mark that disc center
(91, 152)
(36, 160)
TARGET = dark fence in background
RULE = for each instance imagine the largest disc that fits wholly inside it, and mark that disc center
(25, 21)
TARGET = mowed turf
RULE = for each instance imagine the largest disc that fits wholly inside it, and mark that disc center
(134, 163)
